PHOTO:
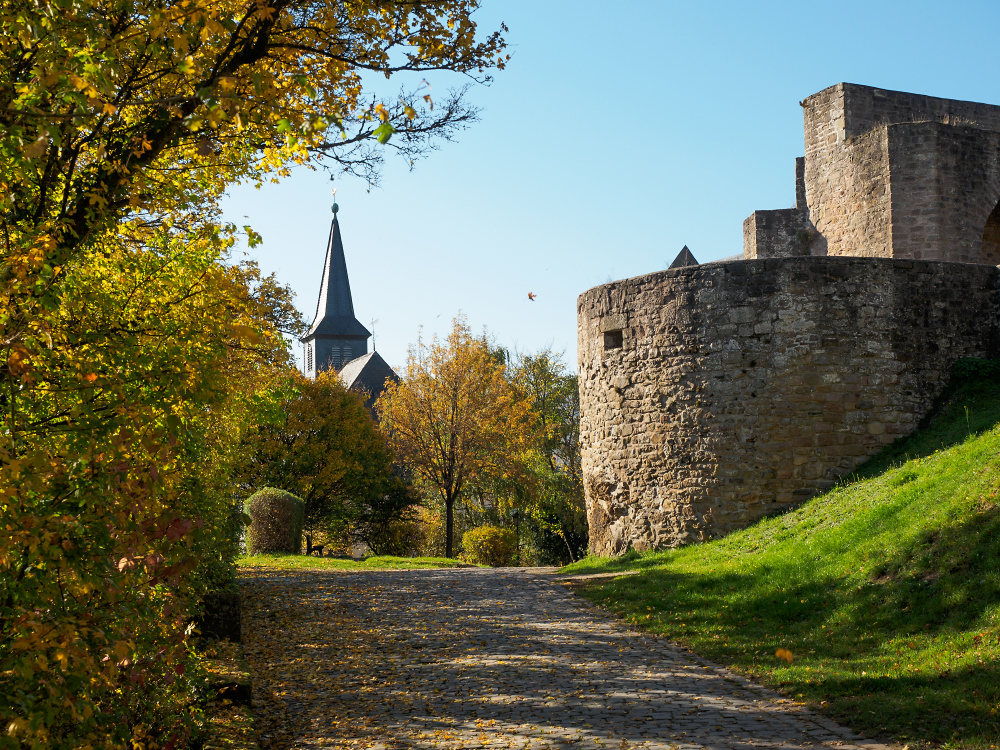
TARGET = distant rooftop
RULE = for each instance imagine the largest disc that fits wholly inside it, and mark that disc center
(684, 258)
(369, 374)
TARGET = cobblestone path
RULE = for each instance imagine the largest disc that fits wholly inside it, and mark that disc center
(474, 658)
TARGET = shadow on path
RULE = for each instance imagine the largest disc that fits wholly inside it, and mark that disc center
(476, 658)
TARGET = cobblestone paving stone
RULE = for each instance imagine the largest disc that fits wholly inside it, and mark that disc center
(476, 658)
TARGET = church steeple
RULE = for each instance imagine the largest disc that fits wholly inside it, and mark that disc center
(335, 336)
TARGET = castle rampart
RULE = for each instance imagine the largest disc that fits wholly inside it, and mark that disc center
(890, 175)
(713, 395)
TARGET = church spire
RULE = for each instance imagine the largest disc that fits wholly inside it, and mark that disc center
(335, 336)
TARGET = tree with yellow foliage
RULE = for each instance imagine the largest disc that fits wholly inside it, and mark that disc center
(326, 450)
(455, 417)
(133, 354)
(541, 491)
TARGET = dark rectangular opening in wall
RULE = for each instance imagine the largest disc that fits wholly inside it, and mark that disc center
(612, 339)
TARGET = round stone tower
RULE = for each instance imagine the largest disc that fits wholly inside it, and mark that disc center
(714, 395)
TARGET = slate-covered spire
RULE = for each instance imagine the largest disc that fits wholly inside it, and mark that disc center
(335, 308)
(335, 336)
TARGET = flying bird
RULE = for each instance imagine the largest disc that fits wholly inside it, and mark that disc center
(531, 296)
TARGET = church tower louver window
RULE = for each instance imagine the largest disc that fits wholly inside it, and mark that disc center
(336, 336)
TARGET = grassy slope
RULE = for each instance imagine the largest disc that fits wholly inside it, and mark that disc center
(333, 563)
(886, 589)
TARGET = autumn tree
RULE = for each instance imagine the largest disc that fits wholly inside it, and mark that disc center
(455, 416)
(327, 450)
(541, 489)
(556, 499)
(134, 354)
(115, 510)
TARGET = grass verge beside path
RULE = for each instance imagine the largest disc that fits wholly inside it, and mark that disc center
(335, 563)
(886, 590)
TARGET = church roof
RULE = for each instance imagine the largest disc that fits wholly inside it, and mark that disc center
(368, 373)
(335, 308)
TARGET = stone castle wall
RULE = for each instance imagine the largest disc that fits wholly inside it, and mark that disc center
(777, 233)
(854, 218)
(945, 182)
(784, 232)
(891, 174)
(713, 395)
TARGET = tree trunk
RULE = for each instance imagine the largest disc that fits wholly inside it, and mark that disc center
(517, 533)
(449, 504)
(566, 542)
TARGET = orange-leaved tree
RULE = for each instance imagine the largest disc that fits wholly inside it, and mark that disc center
(455, 416)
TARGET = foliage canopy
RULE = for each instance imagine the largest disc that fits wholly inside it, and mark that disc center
(326, 449)
(455, 417)
(556, 500)
(134, 354)
(490, 545)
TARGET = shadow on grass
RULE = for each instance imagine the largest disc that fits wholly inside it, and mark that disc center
(909, 648)
(958, 706)
(631, 560)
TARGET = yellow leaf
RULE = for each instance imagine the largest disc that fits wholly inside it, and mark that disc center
(37, 149)
(245, 332)
(18, 361)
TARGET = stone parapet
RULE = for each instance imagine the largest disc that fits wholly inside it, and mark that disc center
(778, 233)
(714, 395)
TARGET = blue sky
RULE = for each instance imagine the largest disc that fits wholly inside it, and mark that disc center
(619, 133)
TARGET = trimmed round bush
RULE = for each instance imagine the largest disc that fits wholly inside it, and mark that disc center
(276, 520)
(490, 545)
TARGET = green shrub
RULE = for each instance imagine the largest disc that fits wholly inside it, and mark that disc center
(490, 545)
(276, 520)
(400, 537)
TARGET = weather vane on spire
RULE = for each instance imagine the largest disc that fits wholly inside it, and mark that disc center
(334, 207)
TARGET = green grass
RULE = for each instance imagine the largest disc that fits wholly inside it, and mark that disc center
(292, 562)
(886, 589)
